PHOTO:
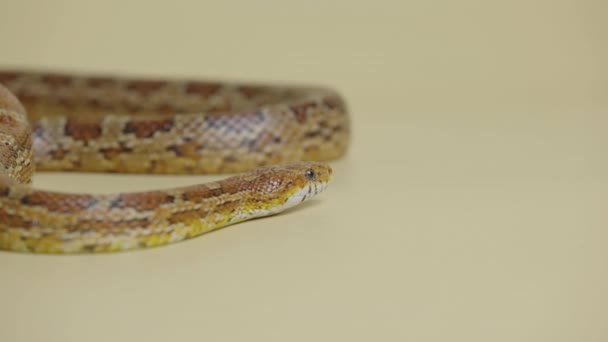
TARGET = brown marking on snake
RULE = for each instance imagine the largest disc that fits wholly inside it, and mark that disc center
(6, 77)
(11, 220)
(265, 139)
(58, 154)
(166, 108)
(235, 185)
(312, 134)
(7, 120)
(229, 205)
(27, 98)
(98, 104)
(57, 81)
(148, 127)
(5, 185)
(130, 107)
(230, 159)
(249, 91)
(62, 203)
(195, 214)
(82, 130)
(301, 111)
(98, 82)
(198, 192)
(145, 88)
(89, 248)
(142, 201)
(333, 102)
(187, 216)
(203, 89)
(188, 149)
(111, 153)
(108, 225)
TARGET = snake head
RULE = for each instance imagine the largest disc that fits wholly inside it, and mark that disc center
(279, 187)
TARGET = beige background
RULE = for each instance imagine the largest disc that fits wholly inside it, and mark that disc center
(471, 206)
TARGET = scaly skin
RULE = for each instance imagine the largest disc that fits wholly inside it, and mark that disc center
(118, 125)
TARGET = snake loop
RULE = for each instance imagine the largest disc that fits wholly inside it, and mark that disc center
(277, 135)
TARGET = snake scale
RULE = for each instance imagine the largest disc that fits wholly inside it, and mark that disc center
(276, 137)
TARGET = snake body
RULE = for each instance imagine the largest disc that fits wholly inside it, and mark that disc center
(277, 135)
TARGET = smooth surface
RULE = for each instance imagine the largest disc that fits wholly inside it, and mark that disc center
(471, 207)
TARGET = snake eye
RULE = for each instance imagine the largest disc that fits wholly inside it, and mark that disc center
(310, 174)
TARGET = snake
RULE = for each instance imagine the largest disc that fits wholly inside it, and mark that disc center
(274, 142)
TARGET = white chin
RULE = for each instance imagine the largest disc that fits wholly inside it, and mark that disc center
(300, 196)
